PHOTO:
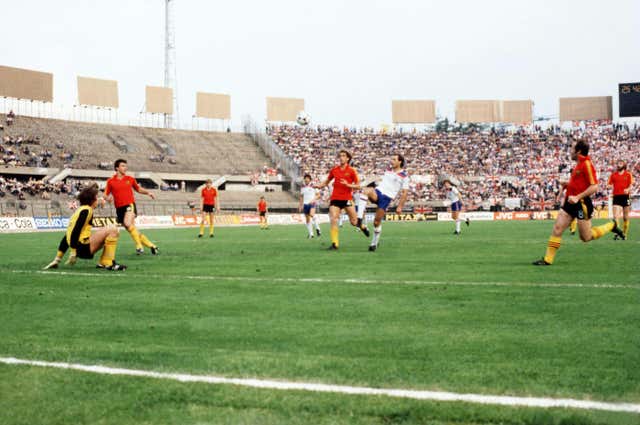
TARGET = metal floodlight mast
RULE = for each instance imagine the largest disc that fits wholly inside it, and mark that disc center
(170, 78)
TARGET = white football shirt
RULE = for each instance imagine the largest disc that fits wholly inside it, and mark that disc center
(308, 194)
(453, 195)
(393, 182)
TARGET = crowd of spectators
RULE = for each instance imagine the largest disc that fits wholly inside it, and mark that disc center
(37, 189)
(490, 165)
(25, 151)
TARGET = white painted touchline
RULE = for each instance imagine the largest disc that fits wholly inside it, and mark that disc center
(342, 389)
(326, 280)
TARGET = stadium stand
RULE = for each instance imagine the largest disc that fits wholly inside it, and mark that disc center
(491, 165)
(58, 143)
(44, 161)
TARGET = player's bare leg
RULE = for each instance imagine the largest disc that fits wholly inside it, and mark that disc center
(353, 219)
(368, 194)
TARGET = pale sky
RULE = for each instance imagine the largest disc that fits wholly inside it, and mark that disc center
(347, 58)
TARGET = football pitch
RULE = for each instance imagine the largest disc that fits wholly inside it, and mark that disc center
(428, 311)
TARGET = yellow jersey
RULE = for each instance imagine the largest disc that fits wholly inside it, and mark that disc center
(79, 229)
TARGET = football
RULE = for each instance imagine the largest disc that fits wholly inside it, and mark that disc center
(303, 118)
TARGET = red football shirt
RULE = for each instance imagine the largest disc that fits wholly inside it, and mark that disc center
(582, 176)
(340, 191)
(209, 195)
(620, 182)
(122, 190)
(262, 206)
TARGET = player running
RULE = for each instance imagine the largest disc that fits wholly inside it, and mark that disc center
(119, 190)
(395, 180)
(308, 199)
(341, 196)
(208, 201)
(82, 242)
(263, 209)
(582, 184)
(453, 195)
(621, 180)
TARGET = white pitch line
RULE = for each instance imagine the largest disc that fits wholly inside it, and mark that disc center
(328, 280)
(342, 389)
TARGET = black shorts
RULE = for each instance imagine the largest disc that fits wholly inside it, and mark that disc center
(207, 208)
(340, 203)
(583, 210)
(622, 200)
(263, 213)
(84, 251)
(121, 211)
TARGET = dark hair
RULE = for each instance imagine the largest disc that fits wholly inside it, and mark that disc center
(88, 195)
(118, 162)
(307, 175)
(346, 153)
(582, 147)
(401, 159)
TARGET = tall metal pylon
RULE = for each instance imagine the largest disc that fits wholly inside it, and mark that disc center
(170, 75)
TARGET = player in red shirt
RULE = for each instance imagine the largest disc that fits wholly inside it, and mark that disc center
(621, 180)
(119, 190)
(342, 175)
(262, 212)
(577, 204)
(208, 202)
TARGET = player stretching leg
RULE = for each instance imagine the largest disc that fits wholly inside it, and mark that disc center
(582, 184)
(341, 196)
(394, 180)
(308, 198)
(208, 202)
(621, 180)
(119, 190)
(82, 242)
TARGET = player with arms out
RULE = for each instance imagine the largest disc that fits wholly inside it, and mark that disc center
(263, 209)
(119, 190)
(453, 195)
(208, 202)
(621, 180)
(342, 176)
(308, 198)
(577, 204)
(395, 180)
(82, 242)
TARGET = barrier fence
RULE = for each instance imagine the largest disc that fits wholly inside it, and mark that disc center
(47, 223)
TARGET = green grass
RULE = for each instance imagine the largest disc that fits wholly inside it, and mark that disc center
(271, 304)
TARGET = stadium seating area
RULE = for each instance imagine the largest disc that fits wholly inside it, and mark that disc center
(40, 142)
(491, 165)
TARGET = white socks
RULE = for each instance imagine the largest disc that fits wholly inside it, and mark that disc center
(315, 222)
(376, 235)
(458, 221)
